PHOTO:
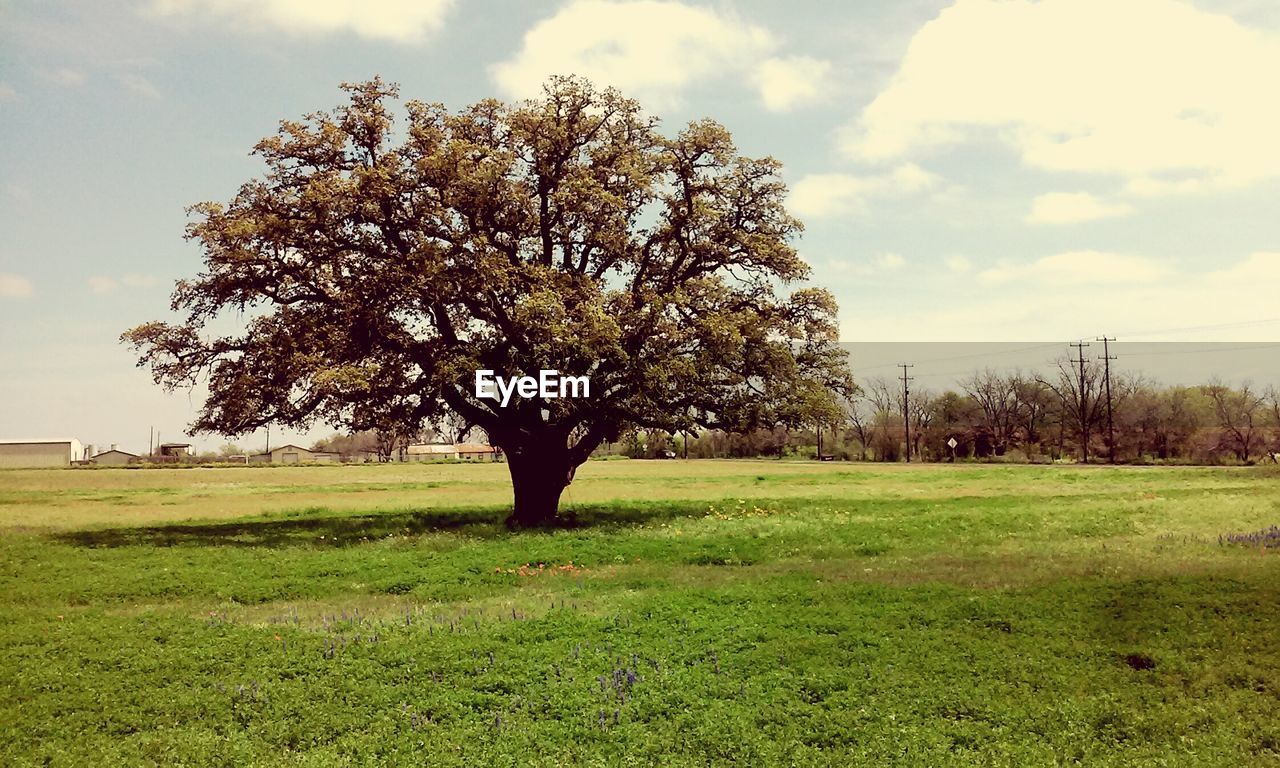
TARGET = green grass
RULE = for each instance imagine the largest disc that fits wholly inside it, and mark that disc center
(730, 613)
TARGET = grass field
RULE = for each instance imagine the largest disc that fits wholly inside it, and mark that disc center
(694, 613)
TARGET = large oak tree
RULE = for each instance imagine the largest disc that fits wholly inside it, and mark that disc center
(376, 265)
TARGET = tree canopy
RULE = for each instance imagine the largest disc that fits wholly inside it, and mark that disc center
(380, 263)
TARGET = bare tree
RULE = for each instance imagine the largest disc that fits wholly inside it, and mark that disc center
(886, 419)
(997, 397)
(1273, 410)
(859, 415)
(1034, 402)
(1079, 396)
(1239, 414)
(391, 444)
(921, 411)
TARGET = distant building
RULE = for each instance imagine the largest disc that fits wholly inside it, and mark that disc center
(176, 450)
(115, 458)
(40, 453)
(457, 451)
(477, 452)
(293, 454)
(430, 452)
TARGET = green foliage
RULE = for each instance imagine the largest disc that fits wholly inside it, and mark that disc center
(381, 268)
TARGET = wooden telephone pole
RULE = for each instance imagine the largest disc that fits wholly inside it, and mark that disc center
(1084, 401)
(1106, 358)
(906, 417)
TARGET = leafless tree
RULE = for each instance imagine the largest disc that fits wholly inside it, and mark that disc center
(1273, 407)
(886, 421)
(1034, 402)
(1239, 413)
(997, 397)
(859, 415)
(921, 411)
(1080, 400)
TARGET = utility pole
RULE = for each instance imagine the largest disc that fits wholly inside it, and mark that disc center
(268, 438)
(906, 418)
(1106, 358)
(1084, 401)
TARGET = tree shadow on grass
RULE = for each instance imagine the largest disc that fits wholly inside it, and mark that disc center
(324, 529)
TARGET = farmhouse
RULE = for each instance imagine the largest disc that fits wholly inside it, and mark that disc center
(458, 451)
(40, 453)
(430, 452)
(292, 454)
(477, 452)
(115, 458)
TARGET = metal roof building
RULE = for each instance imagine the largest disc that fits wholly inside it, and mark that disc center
(40, 453)
(293, 454)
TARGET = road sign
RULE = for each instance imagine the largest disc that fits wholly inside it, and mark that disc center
(951, 443)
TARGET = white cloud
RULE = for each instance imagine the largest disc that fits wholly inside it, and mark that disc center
(1072, 207)
(14, 286)
(67, 77)
(1260, 272)
(18, 193)
(140, 281)
(651, 50)
(102, 286)
(1231, 302)
(829, 194)
(139, 85)
(787, 83)
(886, 262)
(957, 263)
(7, 92)
(400, 21)
(1079, 267)
(1166, 97)
(878, 264)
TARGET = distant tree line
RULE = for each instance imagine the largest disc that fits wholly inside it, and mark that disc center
(1018, 416)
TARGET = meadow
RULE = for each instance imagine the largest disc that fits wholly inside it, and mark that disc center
(687, 613)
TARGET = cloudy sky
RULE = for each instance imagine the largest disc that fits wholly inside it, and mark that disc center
(967, 171)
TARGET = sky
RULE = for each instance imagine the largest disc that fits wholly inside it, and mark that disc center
(971, 171)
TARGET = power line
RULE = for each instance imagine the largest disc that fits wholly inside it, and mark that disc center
(1250, 347)
(871, 368)
(1214, 326)
(936, 374)
(1148, 332)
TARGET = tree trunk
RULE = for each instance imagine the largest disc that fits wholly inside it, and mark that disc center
(539, 474)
